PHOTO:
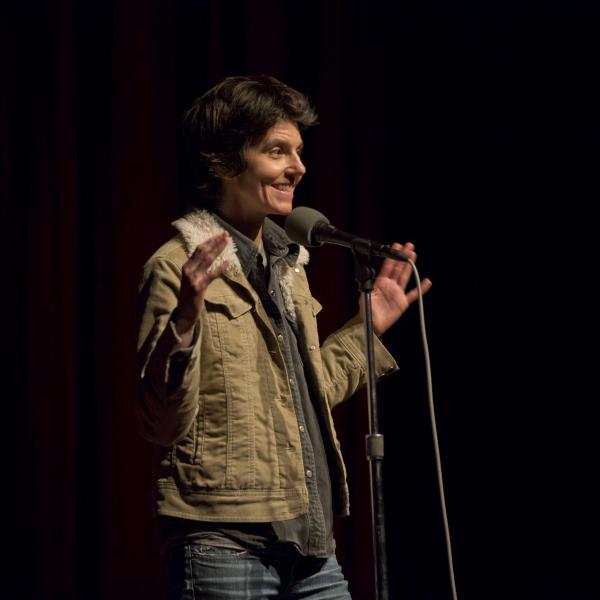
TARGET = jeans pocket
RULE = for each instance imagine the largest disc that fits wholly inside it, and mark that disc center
(217, 552)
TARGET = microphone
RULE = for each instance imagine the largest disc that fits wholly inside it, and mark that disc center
(309, 227)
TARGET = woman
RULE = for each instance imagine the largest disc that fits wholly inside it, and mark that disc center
(236, 391)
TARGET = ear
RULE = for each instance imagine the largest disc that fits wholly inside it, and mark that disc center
(224, 177)
(224, 174)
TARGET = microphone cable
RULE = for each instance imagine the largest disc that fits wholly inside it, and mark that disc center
(436, 445)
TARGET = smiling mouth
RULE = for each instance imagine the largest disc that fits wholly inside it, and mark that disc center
(283, 187)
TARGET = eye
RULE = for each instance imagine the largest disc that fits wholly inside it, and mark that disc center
(276, 151)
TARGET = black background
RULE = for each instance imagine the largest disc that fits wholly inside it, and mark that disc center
(468, 128)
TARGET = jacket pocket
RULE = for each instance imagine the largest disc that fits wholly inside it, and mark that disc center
(316, 307)
(231, 306)
(186, 449)
(306, 305)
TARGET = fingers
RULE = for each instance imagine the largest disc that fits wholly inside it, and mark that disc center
(196, 277)
(216, 272)
(414, 293)
(200, 261)
(399, 271)
(205, 253)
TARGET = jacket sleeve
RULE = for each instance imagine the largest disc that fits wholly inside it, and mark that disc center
(344, 359)
(168, 382)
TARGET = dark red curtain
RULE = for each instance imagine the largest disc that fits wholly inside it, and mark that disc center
(469, 130)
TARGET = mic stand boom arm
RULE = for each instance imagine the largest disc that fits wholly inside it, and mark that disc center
(365, 277)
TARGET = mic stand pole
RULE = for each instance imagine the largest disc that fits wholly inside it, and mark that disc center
(365, 277)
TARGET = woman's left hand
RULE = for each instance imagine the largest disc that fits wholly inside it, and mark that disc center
(389, 298)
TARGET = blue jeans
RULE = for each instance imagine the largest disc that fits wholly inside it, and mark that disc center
(201, 572)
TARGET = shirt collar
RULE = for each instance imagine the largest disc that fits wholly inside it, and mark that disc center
(275, 240)
(278, 243)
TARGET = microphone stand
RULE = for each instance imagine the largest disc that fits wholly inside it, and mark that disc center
(365, 277)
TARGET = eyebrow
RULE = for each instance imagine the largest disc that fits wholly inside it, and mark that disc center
(282, 142)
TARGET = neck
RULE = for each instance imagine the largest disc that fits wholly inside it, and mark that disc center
(252, 228)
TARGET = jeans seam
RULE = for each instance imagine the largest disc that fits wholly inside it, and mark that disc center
(189, 555)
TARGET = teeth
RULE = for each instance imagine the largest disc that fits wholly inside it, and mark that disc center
(283, 188)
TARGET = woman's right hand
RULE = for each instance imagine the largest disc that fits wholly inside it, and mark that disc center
(195, 278)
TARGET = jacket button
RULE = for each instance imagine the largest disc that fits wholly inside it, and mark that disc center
(280, 337)
(308, 473)
(302, 428)
(297, 270)
(312, 348)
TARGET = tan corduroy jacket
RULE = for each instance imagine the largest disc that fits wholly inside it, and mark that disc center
(226, 435)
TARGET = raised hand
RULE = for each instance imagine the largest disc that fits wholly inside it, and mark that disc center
(389, 299)
(196, 276)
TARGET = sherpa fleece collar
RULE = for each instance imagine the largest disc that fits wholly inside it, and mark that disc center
(199, 225)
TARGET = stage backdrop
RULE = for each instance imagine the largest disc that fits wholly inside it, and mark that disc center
(468, 130)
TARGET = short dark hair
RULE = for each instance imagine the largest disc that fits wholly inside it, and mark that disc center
(230, 116)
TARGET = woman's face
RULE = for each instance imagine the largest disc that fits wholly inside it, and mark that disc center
(273, 170)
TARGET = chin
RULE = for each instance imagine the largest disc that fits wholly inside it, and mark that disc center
(282, 209)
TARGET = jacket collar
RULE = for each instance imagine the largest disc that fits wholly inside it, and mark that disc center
(199, 225)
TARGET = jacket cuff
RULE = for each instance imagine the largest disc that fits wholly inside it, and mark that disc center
(172, 366)
(179, 360)
(352, 337)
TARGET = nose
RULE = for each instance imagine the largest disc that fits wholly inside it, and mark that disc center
(297, 166)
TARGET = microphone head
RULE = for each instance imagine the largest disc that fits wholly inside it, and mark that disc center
(300, 223)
